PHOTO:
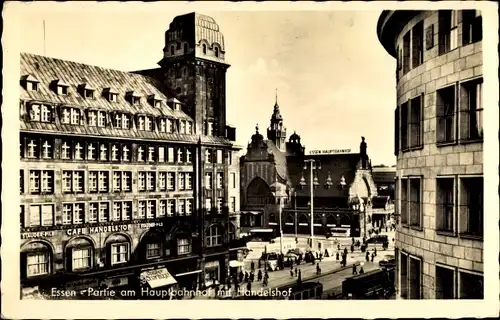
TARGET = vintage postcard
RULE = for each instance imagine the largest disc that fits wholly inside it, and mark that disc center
(312, 160)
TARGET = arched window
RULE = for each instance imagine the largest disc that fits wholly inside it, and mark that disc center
(216, 52)
(36, 259)
(172, 50)
(214, 236)
(185, 48)
(79, 255)
(118, 249)
(204, 49)
(258, 192)
(152, 245)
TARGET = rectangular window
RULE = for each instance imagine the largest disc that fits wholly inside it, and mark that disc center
(75, 116)
(140, 154)
(162, 181)
(471, 110)
(163, 125)
(181, 181)
(171, 155)
(32, 147)
(79, 151)
(141, 123)
(91, 151)
(404, 126)
(220, 201)
(208, 204)
(208, 156)
(66, 150)
(103, 212)
(418, 44)
(151, 154)
(471, 286)
(126, 210)
(151, 181)
(117, 211)
(153, 250)
(81, 258)
(93, 212)
(47, 147)
(93, 181)
(118, 121)
(445, 204)
(397, 125)
(151, 209)
(119, 253)
(220, 180)
(170, 207)
(141, 181)
(35, 112)
(232, 204)
(67, 213)
(208, 180)
(448, 30)
(182, 127)
(414, 203)
(41, 215)
(125, 153)
(115, 152)
(41, 181)
(37, 263)
(189, 127)
(101, 119)
(46, 114)
(171, 181)
(181, 207)
(78, 213)
(404, 201)
(180, 155)
(445, 283)
(21, 181)
(445, 109)
(472, 26)
(117, 181)
(210, 128)
(403, 274)
(92, 115)
(66, 116)
(189, 207)
(220, 158)
(162, 208)
(103, 155)
(149, 123)
(416, 122)
(170, 126)
(471, 206)
(141, 210)
(161, 154)
(183, 246)
(189, 180)
(406, 52)
(189, 156)
(415, 278)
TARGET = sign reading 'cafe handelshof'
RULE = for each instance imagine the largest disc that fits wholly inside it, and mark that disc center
(90, 230)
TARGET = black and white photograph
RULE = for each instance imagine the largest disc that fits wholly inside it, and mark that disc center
(210, 152)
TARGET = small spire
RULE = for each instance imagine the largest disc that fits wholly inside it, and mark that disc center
(257, 128)
(276, 95)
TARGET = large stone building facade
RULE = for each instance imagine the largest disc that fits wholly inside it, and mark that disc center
(126, 177)
(276, 172)
(439, 149)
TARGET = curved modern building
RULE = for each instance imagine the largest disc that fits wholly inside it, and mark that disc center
(439, 148)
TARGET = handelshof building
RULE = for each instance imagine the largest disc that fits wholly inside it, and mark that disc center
(274, 168)
(439, 149)
(124, 174)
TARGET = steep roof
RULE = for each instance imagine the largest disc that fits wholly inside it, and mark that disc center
(280, 160)
(46, 70)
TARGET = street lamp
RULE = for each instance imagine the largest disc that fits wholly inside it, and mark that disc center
(279, 195)
(360, 208)
(314, 165)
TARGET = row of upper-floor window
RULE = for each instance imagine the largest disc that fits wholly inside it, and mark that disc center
(459, 116)
(98, 181)
(94, 212)
(459, 204)
(449, 282)
(411, 55)
(118, 120)
(72, 149)
(185, 49)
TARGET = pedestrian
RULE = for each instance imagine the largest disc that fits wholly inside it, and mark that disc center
(373, 256)
(354, 269)
(247, 276)
(352, 240)
(337, 256)
(252, 276)
(367, 256)
(299, 279)
(345, 251)
(259, 275)
(338, 247)
(375, 251)
(318, 269)
(291, 273)
(252, 266)
(317, 256)
(249, 286)
(361, 270)
(352, 248)
(296, 272)
(326, 253)
(266, 276)
(264, 283)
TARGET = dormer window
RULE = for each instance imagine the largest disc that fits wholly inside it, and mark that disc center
(30, 83)
(141, 123)
(133, 98)
(111, 95)
(75, 116)
(210, 128)
(35, 112)
(70, 115)
(170, 126)
(101, 119)
(189, 127)
(155, 101)
(148, 123)
(66, 115)
(216, 52)
(61, 88)
(182, 127)
(92, 118)
(46, 113)
(86, 91)
(163, 125)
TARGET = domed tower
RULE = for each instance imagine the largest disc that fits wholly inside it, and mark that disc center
(294, 146)
(276, 131)
(195, 70)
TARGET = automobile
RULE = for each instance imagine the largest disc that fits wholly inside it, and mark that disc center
(378, 239)
(295, 251)
(271, 261)
(387, 262)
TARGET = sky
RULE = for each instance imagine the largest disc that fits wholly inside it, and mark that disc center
(335, 81)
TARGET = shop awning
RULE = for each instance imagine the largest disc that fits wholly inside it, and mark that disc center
(158, 278)
(187, 273)
(235, 264)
